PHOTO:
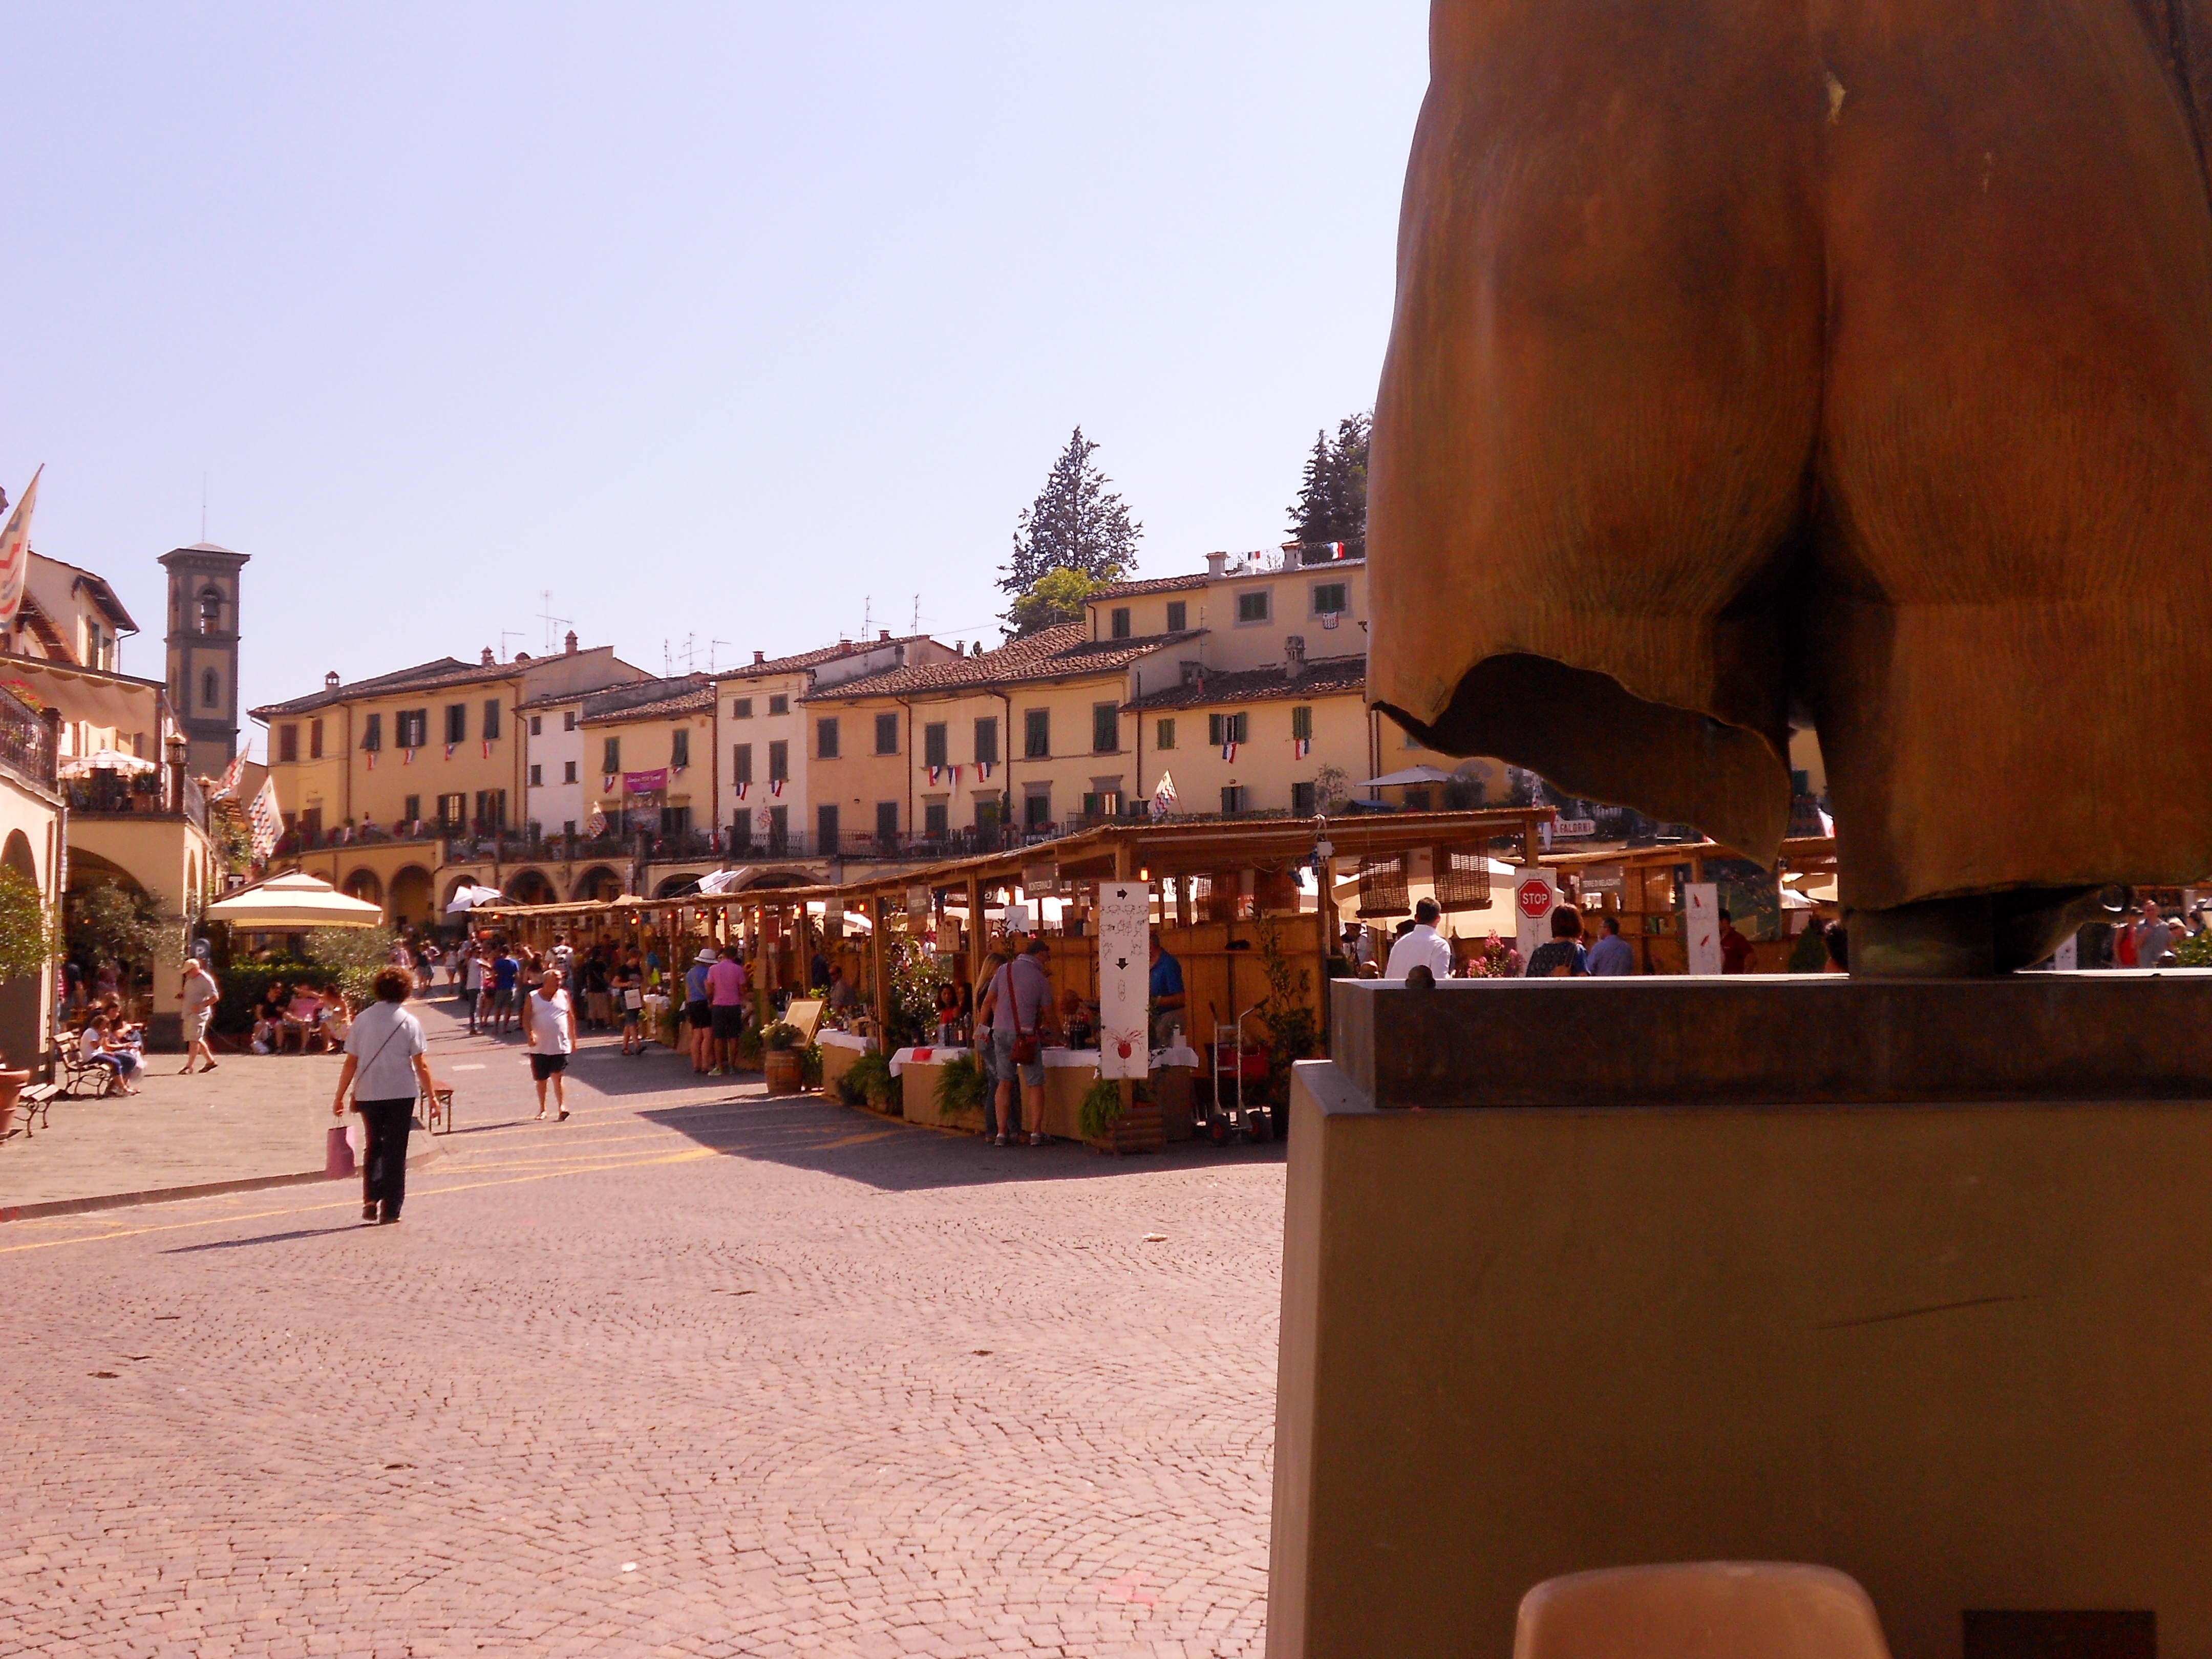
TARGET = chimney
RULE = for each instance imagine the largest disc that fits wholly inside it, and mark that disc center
(331, 681)
(844, 644)
(759, 657)
(1294, 657)
(1194, 673)
(519, 656)
(884, 637)
(487, 656)
(570, 644)
(1216, 564)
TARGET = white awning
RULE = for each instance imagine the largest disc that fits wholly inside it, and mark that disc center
(292, 902)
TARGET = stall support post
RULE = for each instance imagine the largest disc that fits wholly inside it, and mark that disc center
(1528, 840)
(879, 973)
(1121, 861)
(975, 937)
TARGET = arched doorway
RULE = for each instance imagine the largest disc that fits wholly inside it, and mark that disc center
(598, 884)
(365, 885)
(411, 897)
(675, 884)
(530, 887)
(21, 1039)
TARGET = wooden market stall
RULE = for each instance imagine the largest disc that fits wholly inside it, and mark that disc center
(1642, 885)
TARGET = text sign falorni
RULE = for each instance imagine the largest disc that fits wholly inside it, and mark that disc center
(1124, 975)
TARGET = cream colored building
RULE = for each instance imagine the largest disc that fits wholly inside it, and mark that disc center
(768, 741)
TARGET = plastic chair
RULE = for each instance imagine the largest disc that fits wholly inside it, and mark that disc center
(1700, 1610)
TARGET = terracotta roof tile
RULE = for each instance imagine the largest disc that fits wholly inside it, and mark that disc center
(1060, 651)
(792, 664)
(423, 677)
(686, 694)
(1324, 676)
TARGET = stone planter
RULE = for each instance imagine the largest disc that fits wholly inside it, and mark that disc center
(11, 1090)
(783, 1066)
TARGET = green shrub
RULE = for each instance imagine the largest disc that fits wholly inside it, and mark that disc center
(1102, 1106)
(355, 955)
(961, 1084)
(868, 1082)
(27, 926)
(243, 984)
(781, 1036)
(2196, 950)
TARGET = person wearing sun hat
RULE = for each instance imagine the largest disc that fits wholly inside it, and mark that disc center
(698, 1010)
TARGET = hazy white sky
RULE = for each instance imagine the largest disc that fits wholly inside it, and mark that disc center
(729, 321)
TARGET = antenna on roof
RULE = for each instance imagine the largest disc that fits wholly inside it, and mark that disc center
(711, 644)
(505, 634)
(868, 615)
(203, 506)
(916, 629)
(546, 616)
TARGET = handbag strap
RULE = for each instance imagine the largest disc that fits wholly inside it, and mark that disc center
(373, 1058)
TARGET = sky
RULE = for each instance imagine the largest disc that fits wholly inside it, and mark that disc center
(734, 327)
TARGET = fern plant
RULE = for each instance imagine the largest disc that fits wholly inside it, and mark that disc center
(961, 1084)
(1101, 1109)
(868, 1082)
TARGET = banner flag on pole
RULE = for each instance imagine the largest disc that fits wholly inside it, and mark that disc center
(15, 552)
(266, 820)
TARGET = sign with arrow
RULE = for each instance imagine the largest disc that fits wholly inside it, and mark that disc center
(1124, 979)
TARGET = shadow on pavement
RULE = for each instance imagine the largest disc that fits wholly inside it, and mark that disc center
(264, 1238)
(806, 1131)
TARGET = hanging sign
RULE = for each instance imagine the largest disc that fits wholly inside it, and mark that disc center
(645, 783)
(1124, 979)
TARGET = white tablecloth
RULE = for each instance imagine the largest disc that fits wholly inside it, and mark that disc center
(930, 1056)
(829, 1039)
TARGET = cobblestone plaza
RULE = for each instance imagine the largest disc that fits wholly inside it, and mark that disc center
(695, 1372)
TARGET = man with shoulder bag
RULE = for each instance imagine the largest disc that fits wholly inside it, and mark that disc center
(1023, 1012)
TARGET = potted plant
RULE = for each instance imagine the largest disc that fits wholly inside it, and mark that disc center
(27, 947)
(782, 1058)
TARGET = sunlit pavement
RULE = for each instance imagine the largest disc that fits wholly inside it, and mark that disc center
(695, 1372)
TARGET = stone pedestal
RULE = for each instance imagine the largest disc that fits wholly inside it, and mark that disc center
(1913, 1280)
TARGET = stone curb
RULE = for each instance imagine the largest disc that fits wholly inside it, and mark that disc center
(168, 1194)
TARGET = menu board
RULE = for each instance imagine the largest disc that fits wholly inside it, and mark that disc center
(1125, 978)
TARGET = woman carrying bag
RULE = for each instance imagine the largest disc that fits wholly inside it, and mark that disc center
(387, 1067)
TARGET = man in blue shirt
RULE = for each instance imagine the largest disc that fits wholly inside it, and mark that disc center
(1612, 955)
(504, 972)
(1167, 996)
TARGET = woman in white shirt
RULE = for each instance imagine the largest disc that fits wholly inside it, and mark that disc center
(387, 1067)
(549, 1028)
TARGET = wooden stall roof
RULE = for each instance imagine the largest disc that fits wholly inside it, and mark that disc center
(1799, 852)
(1171, 848)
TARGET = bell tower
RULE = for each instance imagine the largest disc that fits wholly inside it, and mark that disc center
(203, 642)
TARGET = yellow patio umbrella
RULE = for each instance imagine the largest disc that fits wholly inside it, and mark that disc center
(292, 903)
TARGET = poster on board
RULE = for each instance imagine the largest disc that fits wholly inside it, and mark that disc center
(1125, 978)
(1701, 926)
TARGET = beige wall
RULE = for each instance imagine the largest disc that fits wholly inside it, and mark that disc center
(647, 745)
(169, 858)
(759, 730)
(27, 1005)
(857, 778)
(1957, 1352)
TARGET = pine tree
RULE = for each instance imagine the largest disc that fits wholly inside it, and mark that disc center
(1076, 525)
(1332, 503)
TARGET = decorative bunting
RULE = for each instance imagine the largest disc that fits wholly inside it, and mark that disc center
(449, 751)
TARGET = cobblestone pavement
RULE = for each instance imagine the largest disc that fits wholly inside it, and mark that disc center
(695, 1372)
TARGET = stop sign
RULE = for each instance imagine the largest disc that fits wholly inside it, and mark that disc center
(1535, 897)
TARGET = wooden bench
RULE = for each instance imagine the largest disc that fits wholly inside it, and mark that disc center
(37, 1101)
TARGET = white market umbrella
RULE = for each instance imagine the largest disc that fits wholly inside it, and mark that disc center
(293, 902)
(104, 760)
(1411, 774)
(471, 896)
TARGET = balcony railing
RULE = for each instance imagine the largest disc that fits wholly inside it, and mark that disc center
(161, 793)
(27, 743)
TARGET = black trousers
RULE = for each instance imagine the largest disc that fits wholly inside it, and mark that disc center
(383, 1165)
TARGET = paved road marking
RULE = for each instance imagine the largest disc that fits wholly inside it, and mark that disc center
(686, 1156)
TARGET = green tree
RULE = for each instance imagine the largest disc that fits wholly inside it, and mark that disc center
(1075, 523)
(355, 953)
(27, 926)
(1332, 503)
(1057, 597)
(107, 924)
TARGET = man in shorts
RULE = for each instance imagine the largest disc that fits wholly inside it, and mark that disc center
(697, 1010)
(549, 1030)
(472, 982)
(725, 1008)
(1023, 1012)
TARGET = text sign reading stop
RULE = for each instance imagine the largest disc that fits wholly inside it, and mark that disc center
(1535, 898)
